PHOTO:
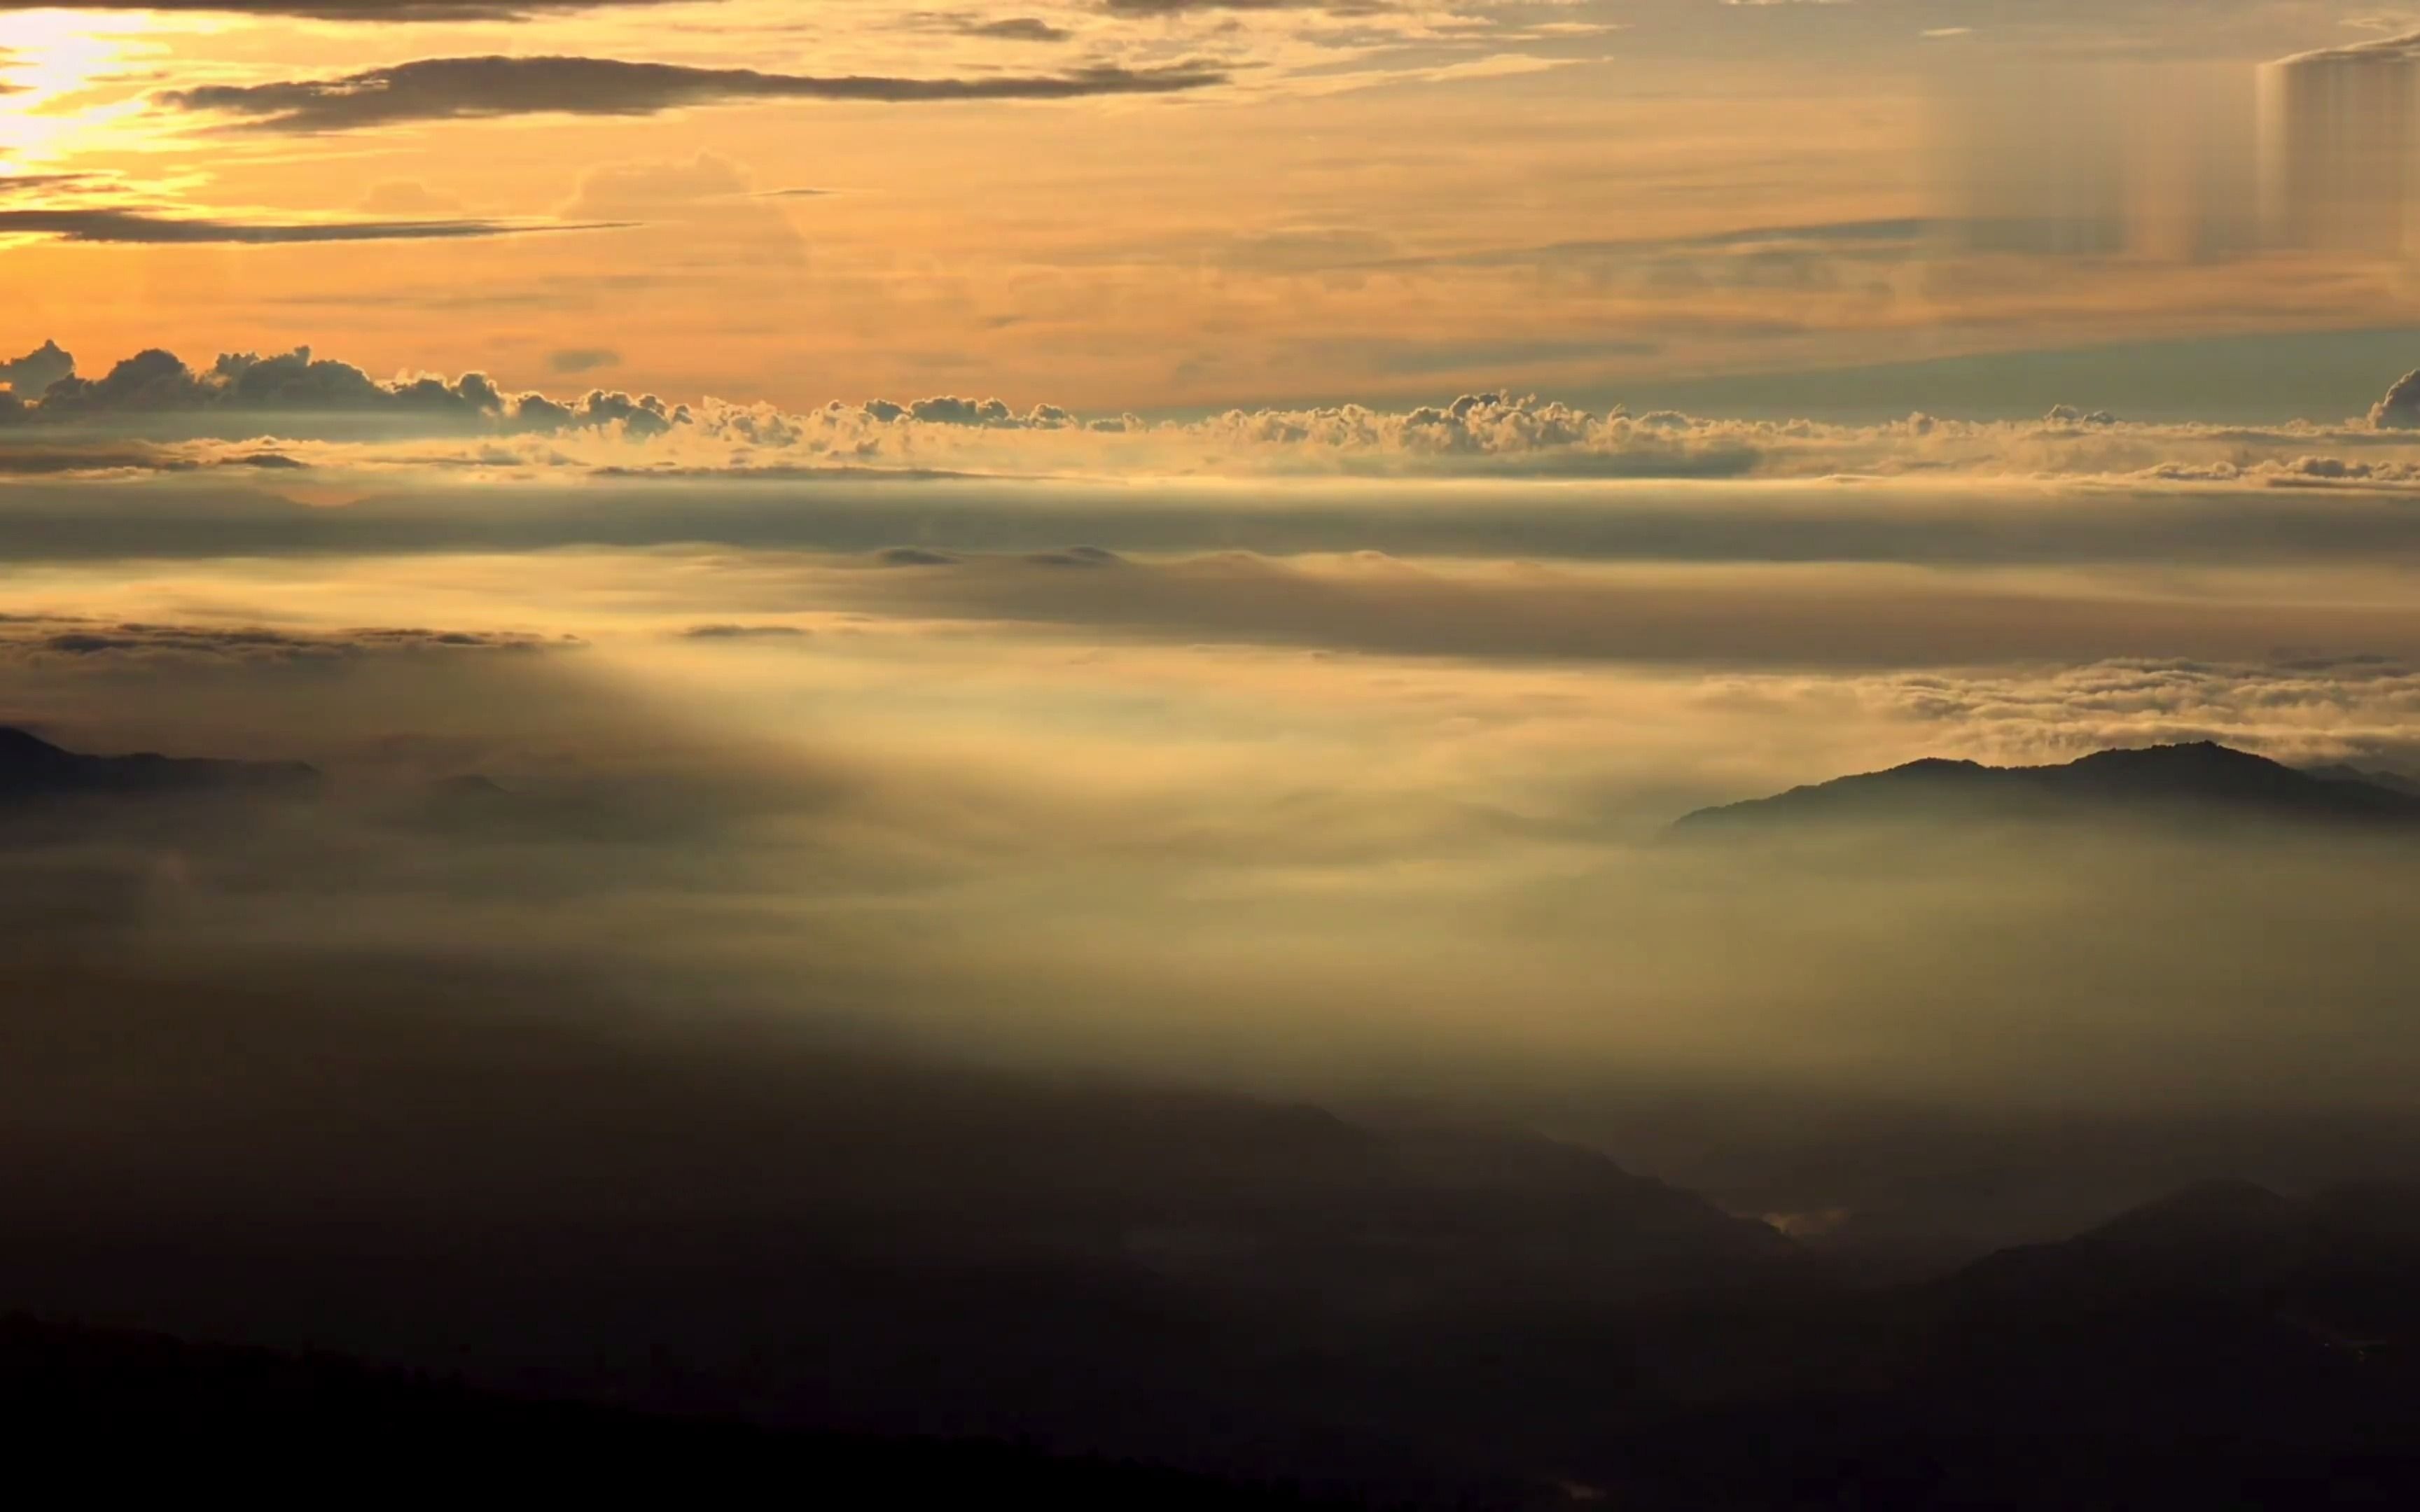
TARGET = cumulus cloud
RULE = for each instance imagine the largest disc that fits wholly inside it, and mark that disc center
(2067, 414)
(430, 89)
(2398, 409)
(1489, 434)
(158, 383)
(28, 376)
(1483, 432)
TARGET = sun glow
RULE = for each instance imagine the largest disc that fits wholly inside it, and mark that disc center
(52, 63)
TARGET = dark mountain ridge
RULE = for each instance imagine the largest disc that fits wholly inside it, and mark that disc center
(2202, 779)
(32, 768)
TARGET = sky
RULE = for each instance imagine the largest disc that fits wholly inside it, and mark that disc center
(1220, 536)
(1162, 207)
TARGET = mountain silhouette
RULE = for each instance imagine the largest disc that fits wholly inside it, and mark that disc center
(2202, 779)
(31, 768)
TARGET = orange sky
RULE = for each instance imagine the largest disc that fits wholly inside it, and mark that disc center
(1301, 204)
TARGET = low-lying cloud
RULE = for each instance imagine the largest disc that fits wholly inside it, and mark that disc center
(84, 639)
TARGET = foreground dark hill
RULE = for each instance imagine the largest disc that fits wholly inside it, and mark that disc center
(117, 1403)
(2200, 781)
(2223, 1347)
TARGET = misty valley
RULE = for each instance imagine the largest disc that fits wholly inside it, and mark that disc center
(570, 1175)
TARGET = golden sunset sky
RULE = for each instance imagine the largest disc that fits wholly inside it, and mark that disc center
(1162, 205)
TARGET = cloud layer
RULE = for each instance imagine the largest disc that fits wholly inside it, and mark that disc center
(303, 398)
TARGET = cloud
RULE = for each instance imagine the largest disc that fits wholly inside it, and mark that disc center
(1172, 7)
(654, 188)
(2297, 710)
(1004, 29)
(85, 639)
(34, 184)
(1795, 615)
(2398, 409)
(2401, 48)
(913, 556)
(582, 359)
(407, 196)
(434, 89)
(380, 11)
(26, 376)
(1490, 433)
(144, 228)
(742, 632)
(155, 382)
(135, 457)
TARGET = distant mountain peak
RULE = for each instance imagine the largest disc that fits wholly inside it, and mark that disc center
(2203, 776)
(16, 743)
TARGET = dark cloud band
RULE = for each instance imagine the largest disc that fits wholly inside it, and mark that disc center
(361, 10)
(433, 89)
(140, 227)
